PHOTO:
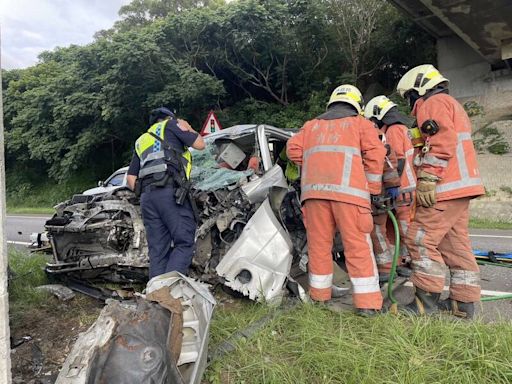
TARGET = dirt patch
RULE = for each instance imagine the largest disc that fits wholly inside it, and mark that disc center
(54, 327)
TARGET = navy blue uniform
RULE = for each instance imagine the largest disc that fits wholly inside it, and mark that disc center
(170, 228)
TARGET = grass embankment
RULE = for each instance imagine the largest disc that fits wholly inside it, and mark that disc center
(27, 273)
(24, 198)
(307, 344)
(311, 344)
(487, 224)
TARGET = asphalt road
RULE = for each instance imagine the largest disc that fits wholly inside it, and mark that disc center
(20, 227)
(493, 279)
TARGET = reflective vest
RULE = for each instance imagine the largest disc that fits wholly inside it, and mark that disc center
(342, 160)
(292, 170)
(452, 155)
(397, 137)
(155, 157)
(390, 177)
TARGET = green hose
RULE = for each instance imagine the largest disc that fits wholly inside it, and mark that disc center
(481, 262)
(495, 298)
(394, 304)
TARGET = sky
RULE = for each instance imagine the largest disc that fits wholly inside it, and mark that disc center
(29, 27)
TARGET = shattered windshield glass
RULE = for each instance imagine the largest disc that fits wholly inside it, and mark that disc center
(208, 175)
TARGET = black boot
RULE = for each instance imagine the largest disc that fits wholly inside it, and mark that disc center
(424, 303)
(365, 312)
(404, 271)
(457, 308)
(383, 277)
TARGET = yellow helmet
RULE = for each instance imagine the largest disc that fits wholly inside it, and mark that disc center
(378, 107)
(421, 79)
(349, 94)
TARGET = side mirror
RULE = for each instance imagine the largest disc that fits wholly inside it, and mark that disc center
(100, 183)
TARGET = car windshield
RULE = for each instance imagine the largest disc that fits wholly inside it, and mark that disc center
(116, 180)
(208, 175)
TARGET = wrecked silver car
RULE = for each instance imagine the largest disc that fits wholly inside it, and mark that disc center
(249, 232)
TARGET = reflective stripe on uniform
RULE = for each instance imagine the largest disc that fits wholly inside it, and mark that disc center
(470, 182)
(153, 169)
(336, 188)
(410, 177)
(462, 277)
(383, 258)
(373, 177)
(320, 281)
(380, 237)
(152, 156)
(435, 161)
(425, 264)
(411, 180)
(390, 175)
(347, 170)
(332, 148)
(404, 225)
(465, 179)
(409, 152)
(367, 284)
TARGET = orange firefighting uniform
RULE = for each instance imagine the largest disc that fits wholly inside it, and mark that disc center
(398, 139)
(338, 156)
(438, 236)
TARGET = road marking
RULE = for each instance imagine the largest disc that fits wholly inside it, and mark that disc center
(493, 236)
(484, 292)
(18, 242)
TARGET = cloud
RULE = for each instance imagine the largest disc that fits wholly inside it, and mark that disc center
(32, 26)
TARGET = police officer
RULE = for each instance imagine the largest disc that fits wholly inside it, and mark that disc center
(160, 170)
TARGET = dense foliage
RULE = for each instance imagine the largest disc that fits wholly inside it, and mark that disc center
(275, 61)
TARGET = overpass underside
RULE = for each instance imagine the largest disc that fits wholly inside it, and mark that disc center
(474, 45)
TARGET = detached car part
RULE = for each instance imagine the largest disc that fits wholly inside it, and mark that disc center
(162, 338)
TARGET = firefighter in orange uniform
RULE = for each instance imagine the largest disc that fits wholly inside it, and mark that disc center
(384, 113)
(342, 160)
(448, 178)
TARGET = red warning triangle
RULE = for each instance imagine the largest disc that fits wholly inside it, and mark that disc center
(210, 125)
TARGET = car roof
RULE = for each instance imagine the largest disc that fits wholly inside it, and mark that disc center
(241, 129)
(237, 130)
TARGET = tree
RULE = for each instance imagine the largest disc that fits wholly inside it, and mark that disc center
(275, 61)
(354, 23)
(143, 12)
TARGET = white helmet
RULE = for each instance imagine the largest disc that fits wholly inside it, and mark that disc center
(349, 94)
(378, 107)
(421, 79)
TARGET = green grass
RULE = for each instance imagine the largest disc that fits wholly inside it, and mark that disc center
(27, 304)
(488, 224)
(237, 316)
(311, 344)
(27, 273)
(25, 197)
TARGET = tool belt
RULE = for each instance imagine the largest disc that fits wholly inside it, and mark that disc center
(182, 189)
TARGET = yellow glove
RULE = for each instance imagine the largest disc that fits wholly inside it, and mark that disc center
(426, 189)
